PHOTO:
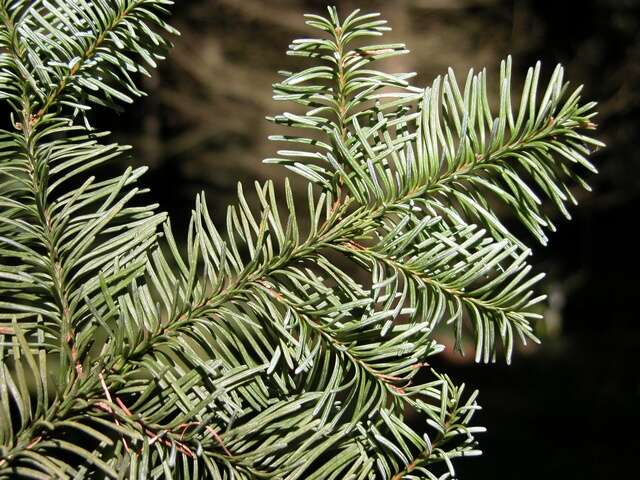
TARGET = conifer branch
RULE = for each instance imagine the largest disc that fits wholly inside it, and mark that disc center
(255, 354)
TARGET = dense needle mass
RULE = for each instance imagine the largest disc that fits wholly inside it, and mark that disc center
(253, 353)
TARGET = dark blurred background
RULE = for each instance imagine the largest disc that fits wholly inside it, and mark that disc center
(566, 409)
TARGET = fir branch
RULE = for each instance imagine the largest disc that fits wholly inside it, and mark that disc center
(253, 354)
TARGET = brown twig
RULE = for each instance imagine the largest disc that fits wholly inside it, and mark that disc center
(217, 437)
(110, 410)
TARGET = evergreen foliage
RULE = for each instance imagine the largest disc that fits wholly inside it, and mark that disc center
(258, 352)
